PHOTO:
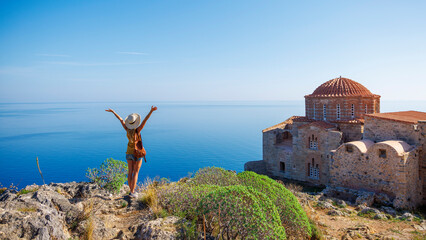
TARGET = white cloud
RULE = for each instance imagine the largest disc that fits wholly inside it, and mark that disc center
(133, 53)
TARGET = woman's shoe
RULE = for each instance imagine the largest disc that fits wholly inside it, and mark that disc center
(133, 195)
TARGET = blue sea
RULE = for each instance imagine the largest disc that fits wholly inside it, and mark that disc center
(180, 137)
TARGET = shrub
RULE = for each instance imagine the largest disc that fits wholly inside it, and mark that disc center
(183, 200)
(292, 215)
(215, 176)
(241, 206)
(244, 214)
(111, 175)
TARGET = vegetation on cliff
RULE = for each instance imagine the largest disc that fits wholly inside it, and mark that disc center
(230, 205)
(219, 203)
(111, 175)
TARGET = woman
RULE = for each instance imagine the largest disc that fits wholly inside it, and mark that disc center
(132, 127)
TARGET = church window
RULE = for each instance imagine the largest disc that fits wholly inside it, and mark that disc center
(324, 111)
(314, 111)
(382, 153)
(313, 142)
(349, 148)
(352, 111)
(282, 166)
(338, 112)
(365, 108)
(313, 170)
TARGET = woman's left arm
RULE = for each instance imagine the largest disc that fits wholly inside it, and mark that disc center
(146, 118)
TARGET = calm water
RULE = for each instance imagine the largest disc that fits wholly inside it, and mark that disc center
(179, 137)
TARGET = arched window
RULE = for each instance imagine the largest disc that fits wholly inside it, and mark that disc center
(313, 170)
(338, 112)
(313, 142)
(352, 111)
(365, 108)
(324, 112)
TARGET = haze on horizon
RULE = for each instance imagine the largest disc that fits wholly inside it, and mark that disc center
(208, 50)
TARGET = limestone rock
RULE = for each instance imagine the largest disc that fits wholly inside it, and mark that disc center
(380, 216)
(161, 228)
(370, 210)
(325, 205)
(382, 199)
(365, 198)
(407, 217)
(389, 210)
(335, 213)
(59, 211)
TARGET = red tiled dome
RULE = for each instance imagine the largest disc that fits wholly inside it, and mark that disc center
(341, 87)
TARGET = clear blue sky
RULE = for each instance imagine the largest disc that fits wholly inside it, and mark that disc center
(208, 50)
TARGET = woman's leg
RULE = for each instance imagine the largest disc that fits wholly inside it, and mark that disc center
(136, 167)
(130, 173)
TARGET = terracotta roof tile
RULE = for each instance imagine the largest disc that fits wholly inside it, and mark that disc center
(341, 87)
(279, 125)
(404, 116)
(302, 119)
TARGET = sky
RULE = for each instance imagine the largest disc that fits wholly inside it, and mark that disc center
(78, 51)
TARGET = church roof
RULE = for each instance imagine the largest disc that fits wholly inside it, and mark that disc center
(362, 145)
(341, 87)
(404, 116)
(399, 146)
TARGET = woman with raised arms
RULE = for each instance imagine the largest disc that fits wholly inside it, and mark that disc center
(135, 150)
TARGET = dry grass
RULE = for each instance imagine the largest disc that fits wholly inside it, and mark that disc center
(150, 197)
(293, 187)
(89, 229)
(87, 214)
(27, 209)
(313, 220)
(87, 210)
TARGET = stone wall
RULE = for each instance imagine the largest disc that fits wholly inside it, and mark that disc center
(378, 130)
(277, 147)
(396, 174)
(351, 131)
(421, 127)
(303, 156)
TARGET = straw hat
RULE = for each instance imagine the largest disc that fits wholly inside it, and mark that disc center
(133, 121)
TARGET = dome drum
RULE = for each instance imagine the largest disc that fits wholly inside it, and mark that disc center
(341, 99)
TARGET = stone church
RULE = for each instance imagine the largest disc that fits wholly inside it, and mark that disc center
(344, 141)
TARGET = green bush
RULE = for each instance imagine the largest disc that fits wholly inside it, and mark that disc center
(241, 206)
(111, 175)
(215, 176)
(182, 200)
(292, 215)
(244, 214)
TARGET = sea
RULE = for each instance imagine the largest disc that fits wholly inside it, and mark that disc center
(180, 137)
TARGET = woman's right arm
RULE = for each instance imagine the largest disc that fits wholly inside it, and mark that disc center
(118, 117)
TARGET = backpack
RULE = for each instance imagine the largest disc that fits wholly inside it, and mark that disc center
(139, 150)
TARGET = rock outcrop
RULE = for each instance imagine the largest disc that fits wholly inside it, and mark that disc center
(75, 210)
